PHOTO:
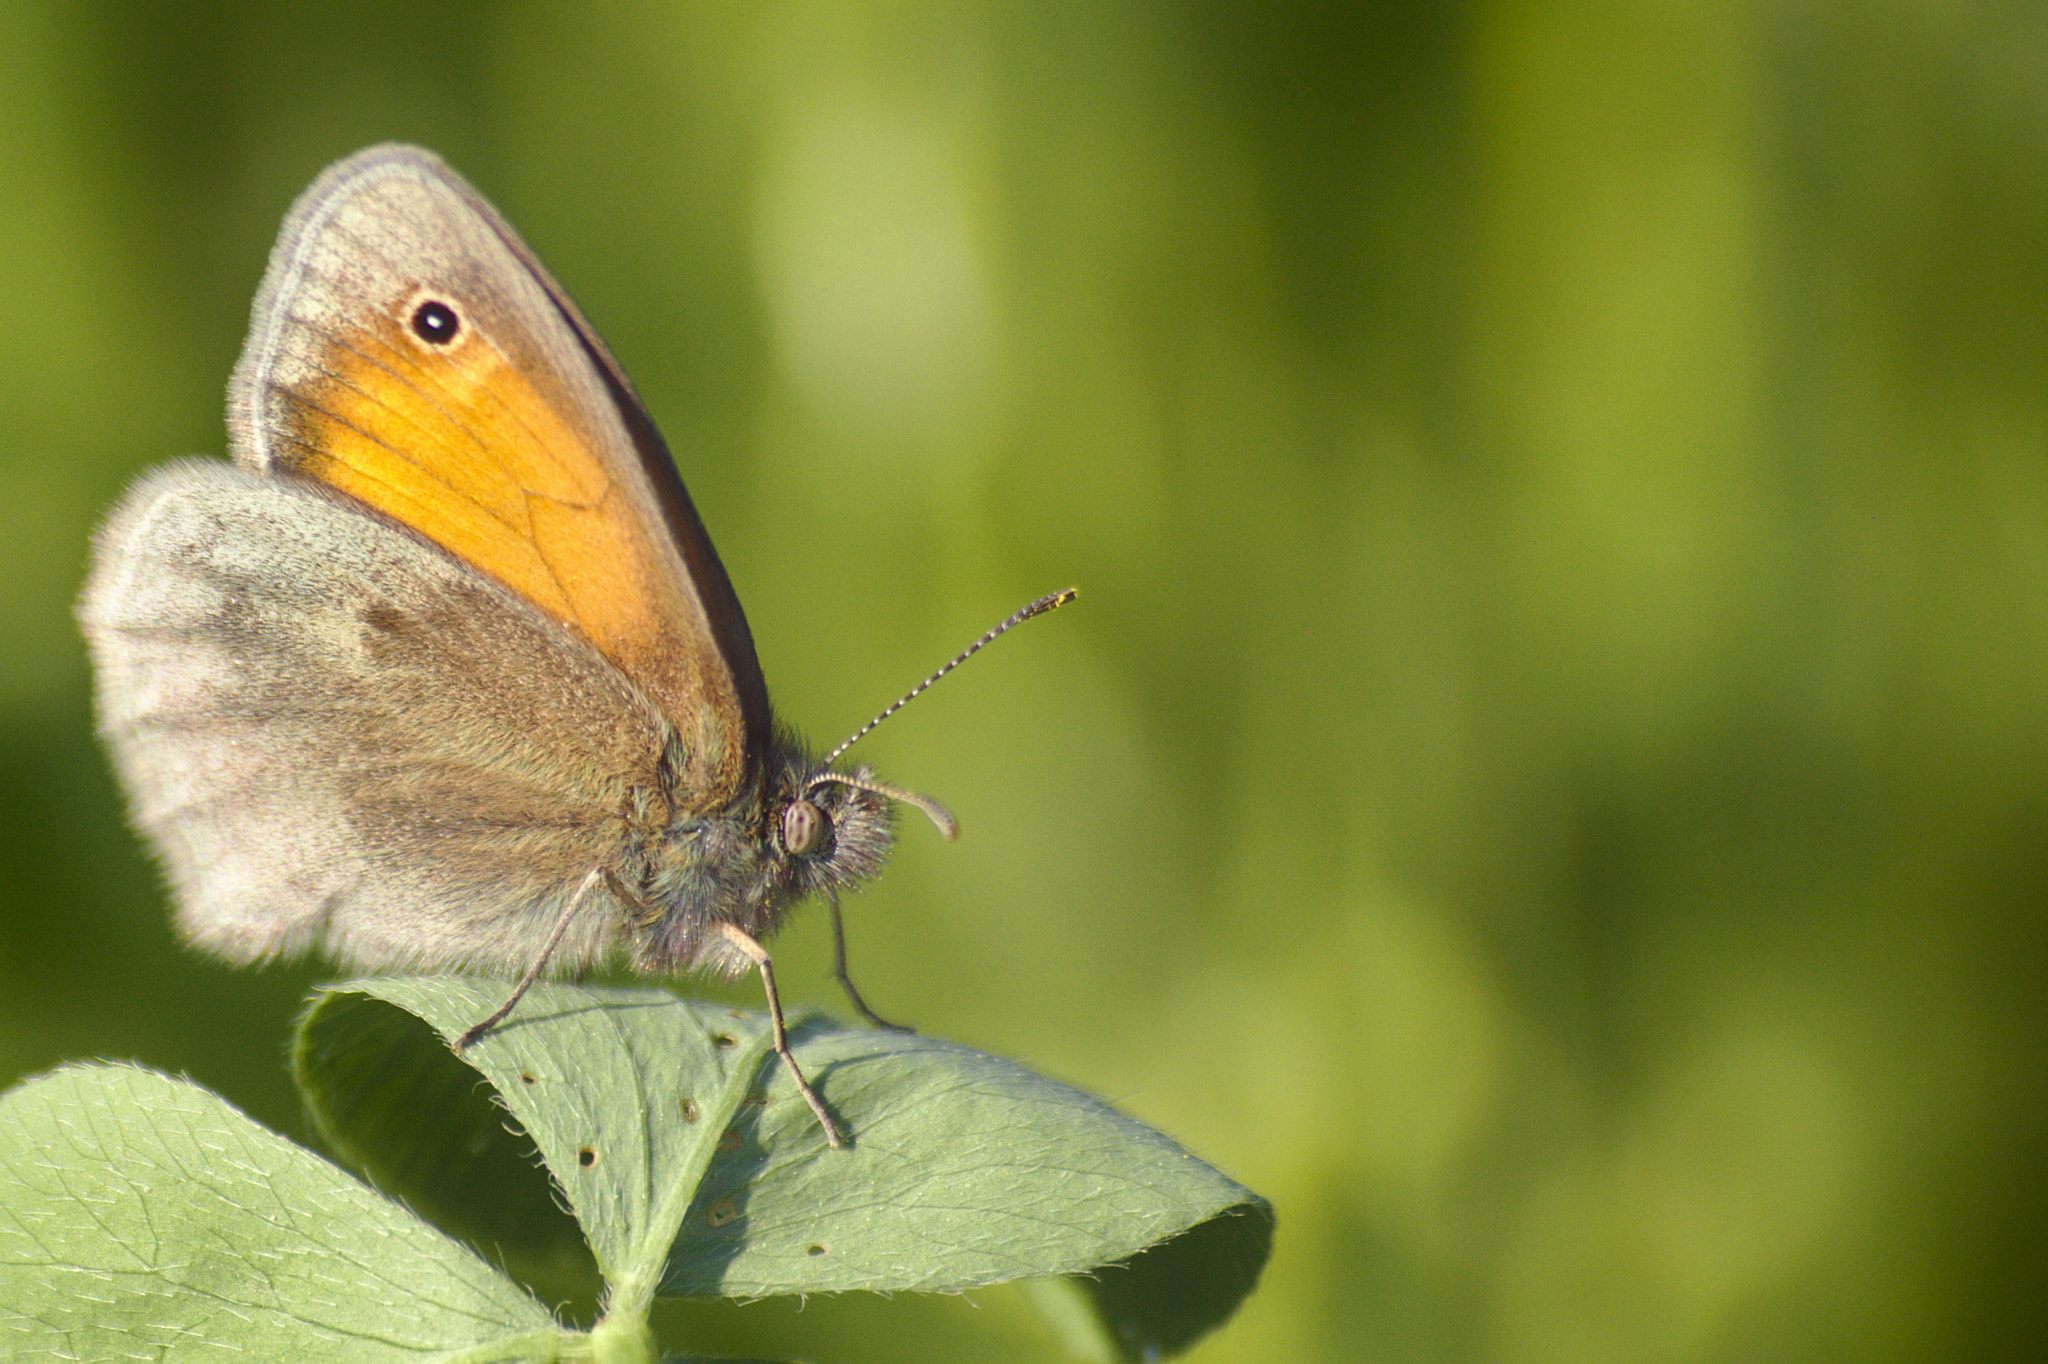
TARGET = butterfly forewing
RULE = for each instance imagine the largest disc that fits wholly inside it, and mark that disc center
(409, 351)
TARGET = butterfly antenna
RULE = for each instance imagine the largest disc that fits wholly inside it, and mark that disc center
(948, 827)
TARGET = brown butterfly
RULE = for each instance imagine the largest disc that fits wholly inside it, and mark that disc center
(443, 671)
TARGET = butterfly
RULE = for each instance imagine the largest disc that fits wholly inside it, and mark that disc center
(442, 672)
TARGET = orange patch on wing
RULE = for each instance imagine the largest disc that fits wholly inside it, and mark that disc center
(462, 446)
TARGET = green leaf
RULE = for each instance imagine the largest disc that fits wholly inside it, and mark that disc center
(1161, 1300)
(694, 1169)
(141, 1217)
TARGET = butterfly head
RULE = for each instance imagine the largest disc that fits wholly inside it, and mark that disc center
(809, 831)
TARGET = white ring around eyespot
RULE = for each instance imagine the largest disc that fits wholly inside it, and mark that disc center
(408, 313)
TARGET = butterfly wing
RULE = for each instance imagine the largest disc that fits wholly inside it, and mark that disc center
(335, 735)
(501, 429)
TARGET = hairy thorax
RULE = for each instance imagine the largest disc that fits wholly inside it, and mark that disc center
(692, 870)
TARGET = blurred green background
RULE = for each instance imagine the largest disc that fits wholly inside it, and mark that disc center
(1547, 777)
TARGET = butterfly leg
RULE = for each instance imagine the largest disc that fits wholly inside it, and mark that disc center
(540, 963)
(846, 981)
(759, 956)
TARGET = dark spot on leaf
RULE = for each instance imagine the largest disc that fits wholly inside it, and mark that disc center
(587, 1157)
(722, 1213)
(814, 1250)
(729, 1140)
(527, 1077)
(725, 1039)
(689, 1110)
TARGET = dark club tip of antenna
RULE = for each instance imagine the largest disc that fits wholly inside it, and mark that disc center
(1038, 608)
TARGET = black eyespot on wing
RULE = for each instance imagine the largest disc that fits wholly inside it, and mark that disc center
(435, 322)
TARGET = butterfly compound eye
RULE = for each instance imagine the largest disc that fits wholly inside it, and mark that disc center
(804, 827)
